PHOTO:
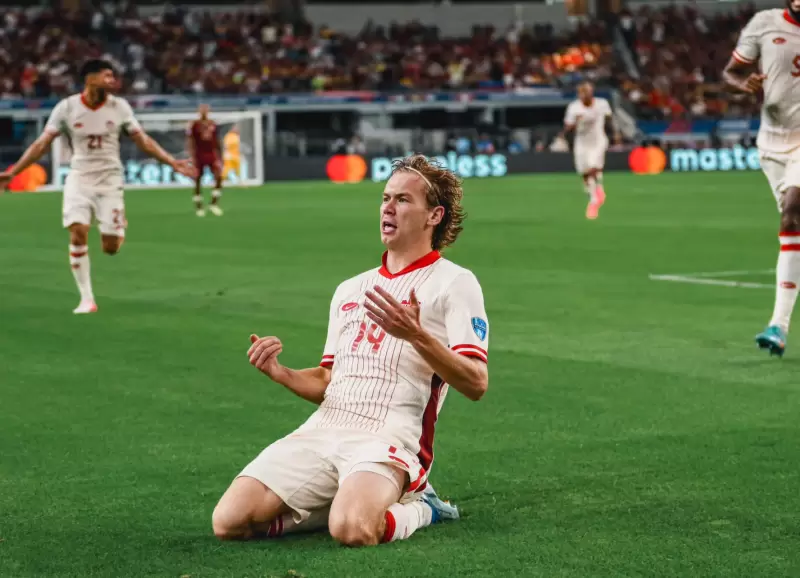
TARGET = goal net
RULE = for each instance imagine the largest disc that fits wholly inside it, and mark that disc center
(169, 130)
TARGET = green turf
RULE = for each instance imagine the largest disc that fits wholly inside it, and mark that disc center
(631, 427)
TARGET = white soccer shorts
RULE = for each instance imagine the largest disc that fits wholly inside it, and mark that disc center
(782, 171)
(107, 205)
(588, 158)
(306, 468)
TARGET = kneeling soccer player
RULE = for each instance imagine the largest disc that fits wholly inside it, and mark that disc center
(398, 334)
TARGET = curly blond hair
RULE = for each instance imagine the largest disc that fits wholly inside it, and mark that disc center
(445, 191)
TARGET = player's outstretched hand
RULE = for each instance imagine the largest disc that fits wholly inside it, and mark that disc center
(397, 319)
(263, 354)
(754, 82)
(186, 168)
(5, 179)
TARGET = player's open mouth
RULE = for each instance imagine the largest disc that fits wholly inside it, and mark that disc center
(387, 227)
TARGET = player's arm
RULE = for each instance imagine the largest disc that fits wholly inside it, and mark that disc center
(741, 72)
(743, 76)
(40, 146)
(32, 154)
(464, 365)
(151, 148)
(310, 384)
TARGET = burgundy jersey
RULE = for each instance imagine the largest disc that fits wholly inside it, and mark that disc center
(206, 141)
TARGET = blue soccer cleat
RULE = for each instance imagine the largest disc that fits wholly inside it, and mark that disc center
(441, 510)
(772, 338)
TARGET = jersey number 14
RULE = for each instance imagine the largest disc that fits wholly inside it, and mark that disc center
(374, 334)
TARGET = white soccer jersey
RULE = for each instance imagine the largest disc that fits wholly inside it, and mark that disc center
(589, 122)
(380, 384)
(772, 38)
(92, 135)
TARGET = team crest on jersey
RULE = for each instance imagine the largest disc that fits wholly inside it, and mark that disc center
(479, 327)
(779, 40)
(77, 125)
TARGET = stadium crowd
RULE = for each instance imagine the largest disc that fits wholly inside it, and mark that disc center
(679, 53)
(250, 52)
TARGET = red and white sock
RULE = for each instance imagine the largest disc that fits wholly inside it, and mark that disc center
(79, 261)
(402, 520)
(787, 279)
(286, 524)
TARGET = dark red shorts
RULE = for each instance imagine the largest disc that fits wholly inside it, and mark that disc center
(210, 161)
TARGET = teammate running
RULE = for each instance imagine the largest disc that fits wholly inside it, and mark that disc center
(767, 56)
(202, 143)
(91, 123)
(589, 116)
(397, 336)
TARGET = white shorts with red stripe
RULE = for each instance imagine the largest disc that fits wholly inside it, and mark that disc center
(85, 202)
(782, 171)
(306, 468)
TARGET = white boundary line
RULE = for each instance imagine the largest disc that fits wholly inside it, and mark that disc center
(712, 278)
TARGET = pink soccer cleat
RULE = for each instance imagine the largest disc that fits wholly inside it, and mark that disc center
(592, 210)
(600, 195)
(85, 307)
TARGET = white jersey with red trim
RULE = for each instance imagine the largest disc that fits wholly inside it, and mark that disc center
(772, 39)
(589, 122)
(380, 384)
(92, 135)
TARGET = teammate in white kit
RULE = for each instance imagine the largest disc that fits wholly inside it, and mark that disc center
(398, 336)
(768, 55)
(91, 122)
(588, 117)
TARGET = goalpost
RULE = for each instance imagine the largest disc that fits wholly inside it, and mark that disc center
(169, 130)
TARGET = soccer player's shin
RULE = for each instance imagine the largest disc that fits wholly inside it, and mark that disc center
(79, 261)
(402, 520)
(787, 280)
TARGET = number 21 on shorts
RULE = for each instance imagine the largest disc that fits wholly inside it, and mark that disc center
(374, 334)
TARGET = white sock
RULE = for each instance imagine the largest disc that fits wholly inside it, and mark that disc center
(198, 200)
(286, 524)
(787, 280)
(79, 260)
(216, 194)
(590, 188)
(599, 178)
(402, 520)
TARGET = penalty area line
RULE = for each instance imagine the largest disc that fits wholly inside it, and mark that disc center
(696, 280)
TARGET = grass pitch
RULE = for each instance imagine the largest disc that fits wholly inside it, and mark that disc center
(631, 427)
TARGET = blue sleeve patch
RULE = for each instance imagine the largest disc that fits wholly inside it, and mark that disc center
(479, 327)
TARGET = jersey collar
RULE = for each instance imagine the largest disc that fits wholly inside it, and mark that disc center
(420, 263)
(90, 107)
(789, 18)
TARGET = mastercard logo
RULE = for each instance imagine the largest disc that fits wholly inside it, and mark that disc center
(28, 180)
(647, 160)
(346, 168)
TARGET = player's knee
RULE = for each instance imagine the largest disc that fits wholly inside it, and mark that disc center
(354, 530)
(228, 526)
(79, 235)
(112, 245)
